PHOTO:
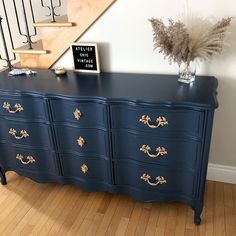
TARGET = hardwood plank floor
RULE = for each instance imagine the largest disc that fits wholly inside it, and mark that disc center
(29, 208)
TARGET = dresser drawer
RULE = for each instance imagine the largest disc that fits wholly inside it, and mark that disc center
(83, 114)
(28, 159)
(82, 167)
(27, 107)
(92, 142)
(158, 121)
(26, 133)
(149, 177)
(152, 149)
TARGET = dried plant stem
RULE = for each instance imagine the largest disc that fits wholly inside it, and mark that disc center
(181, 42)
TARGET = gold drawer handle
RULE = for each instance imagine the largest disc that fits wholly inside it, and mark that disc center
(23, 134)
(84, 168)
(77, 114)
(160, 151)
(17, 107)
(80, 141)
(161, 121)
(30, 159)
(159, 179)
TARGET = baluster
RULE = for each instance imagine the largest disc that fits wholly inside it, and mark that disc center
(51, 7)
(26, 22)
(5, 46)
(7, 59)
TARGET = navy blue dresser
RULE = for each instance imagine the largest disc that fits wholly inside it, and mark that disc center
(144, 135)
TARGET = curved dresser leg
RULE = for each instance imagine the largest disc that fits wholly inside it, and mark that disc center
(3, 177)
(197, 216)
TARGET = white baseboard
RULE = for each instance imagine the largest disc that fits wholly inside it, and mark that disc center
(221, 173)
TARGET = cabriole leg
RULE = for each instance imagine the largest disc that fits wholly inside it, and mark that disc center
(197, 219)
(3, 177)
(197, 216)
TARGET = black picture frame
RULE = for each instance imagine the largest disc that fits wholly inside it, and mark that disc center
(85, 57)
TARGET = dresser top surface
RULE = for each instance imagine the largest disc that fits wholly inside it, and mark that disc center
(154, 88)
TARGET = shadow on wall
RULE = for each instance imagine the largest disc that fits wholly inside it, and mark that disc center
(104, 53)
(230, 49)
(223, 145)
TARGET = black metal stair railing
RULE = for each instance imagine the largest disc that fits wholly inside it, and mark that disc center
(7, 59)
(27, 20)
(51, 7)
(25, 17)
(4, 41)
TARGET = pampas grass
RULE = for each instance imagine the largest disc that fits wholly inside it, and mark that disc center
(194, 37)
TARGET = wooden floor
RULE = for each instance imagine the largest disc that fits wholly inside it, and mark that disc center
(28, 208)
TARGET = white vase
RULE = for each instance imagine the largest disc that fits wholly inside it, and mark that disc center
(187, 72)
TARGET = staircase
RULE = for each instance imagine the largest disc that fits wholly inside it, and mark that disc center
(57, 36)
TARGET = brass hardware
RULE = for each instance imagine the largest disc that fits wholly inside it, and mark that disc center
(161, 121)
(80, 141)
(23, 133)
(77, 114)
(60, 71)
(84, 168)
(30, 159)
(159, 179)
(160, 151)
(17, 107)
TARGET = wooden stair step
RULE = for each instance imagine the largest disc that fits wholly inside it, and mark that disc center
(3, 69)
(58, 39)
(61, 21)
(14, 65)
(37, 49)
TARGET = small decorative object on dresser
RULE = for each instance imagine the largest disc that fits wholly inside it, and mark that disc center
(60, 70)
(110, 136)
(85, 57)
(186, 41)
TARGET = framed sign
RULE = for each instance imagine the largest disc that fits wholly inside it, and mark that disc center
(85, 57)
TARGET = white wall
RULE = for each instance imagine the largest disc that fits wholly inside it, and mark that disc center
(125, 44)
